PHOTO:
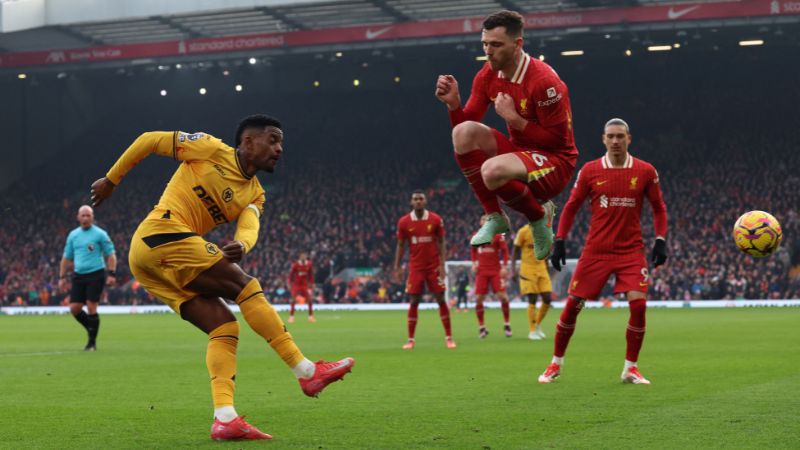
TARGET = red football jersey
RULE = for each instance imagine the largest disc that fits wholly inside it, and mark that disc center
(421, 235)
(616, 196)
(302, 273)
(540, 97)
(488, 256)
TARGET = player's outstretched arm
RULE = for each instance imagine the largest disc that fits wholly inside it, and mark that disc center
(161, 142)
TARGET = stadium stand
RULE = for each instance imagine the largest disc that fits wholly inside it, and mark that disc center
(354, 155)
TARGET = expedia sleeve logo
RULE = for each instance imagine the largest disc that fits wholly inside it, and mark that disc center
(211, 205)
(553, 97)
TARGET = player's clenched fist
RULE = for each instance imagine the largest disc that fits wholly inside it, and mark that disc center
(233, 251)
(447, 91)
(504, 105)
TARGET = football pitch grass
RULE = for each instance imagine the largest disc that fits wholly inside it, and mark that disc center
(722, 378)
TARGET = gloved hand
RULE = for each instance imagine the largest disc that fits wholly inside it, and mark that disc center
(659, 254)
(559, 256)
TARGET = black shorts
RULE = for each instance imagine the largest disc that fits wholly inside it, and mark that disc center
(87, 286)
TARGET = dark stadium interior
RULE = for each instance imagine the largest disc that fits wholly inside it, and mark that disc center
(720, 126)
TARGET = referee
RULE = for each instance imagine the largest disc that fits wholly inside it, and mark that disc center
(86, 248)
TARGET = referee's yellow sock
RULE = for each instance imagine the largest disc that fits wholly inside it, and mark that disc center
(531, 317)
(221, 362)
(265, 321)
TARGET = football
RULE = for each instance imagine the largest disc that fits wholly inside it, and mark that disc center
(757, 233)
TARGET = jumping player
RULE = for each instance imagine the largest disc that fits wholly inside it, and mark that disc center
(536, 163)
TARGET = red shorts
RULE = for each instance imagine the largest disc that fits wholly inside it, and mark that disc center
(548, 173)
(484, 280)
(417, 279)
(300, 291)
(591, 275)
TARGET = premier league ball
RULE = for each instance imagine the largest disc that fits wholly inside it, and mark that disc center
(757, 233)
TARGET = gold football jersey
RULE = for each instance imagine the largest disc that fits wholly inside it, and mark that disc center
(209, 188)
(529, 265)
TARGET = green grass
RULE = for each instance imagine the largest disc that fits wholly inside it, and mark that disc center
(722, 378)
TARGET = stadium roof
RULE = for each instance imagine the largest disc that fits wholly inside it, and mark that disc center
(333, 15)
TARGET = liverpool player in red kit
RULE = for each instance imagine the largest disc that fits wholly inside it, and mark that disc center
(423, 232)
(616, 185)
(301, 277)
(535, 164)
(488, 272)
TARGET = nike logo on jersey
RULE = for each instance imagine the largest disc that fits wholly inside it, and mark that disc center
(642, 284)
(373, 34)
(672, 14)
(600, 183)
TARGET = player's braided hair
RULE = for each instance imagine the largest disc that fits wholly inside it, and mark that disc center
(259, 121)
(512, 20)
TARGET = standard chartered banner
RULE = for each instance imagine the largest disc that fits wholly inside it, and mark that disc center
(161, 309)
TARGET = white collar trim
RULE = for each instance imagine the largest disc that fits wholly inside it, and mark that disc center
(414, 216)
(606, 162)
(522, 69)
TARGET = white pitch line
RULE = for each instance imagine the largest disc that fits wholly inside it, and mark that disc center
(35, 354)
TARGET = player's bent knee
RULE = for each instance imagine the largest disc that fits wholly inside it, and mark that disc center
(466, 136)
(492, 171)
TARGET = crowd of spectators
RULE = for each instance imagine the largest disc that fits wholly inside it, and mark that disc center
(339, 198)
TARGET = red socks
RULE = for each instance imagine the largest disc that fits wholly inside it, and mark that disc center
(518, 197)
(506, 313)
(479, 313)
(310, 308)
(636, 326)
(566, 325)
(470, 164)
(291, 310)
(444, 314)
(412, 319)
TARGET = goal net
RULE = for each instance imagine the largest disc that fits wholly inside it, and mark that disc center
(460, 269)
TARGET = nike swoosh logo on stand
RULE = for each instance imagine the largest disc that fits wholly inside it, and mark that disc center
(672, 14)
(373, 34)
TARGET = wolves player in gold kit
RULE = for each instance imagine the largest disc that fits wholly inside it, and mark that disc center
(214, 184)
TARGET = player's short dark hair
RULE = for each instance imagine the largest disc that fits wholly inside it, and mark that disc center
(618, 121)
(512, 20)
(418, 191)
(255, 121)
